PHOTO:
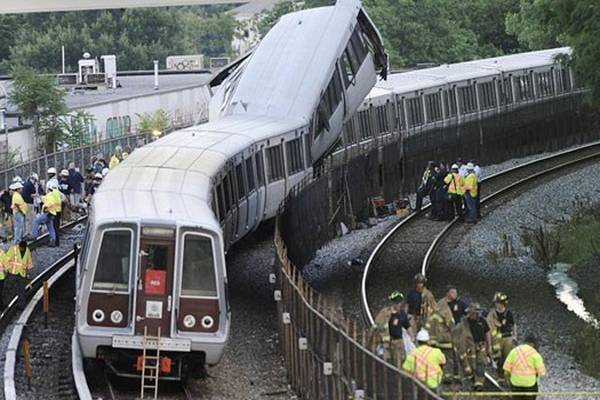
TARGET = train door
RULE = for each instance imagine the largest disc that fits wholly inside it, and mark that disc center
(155, 283)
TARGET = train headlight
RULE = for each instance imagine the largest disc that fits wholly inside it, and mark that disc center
(116, 317)
(207, 322)
(98, 316)
(189, 321)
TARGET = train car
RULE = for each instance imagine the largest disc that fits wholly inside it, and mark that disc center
(153, 259)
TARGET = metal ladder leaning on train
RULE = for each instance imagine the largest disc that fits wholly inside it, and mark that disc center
(152, 264)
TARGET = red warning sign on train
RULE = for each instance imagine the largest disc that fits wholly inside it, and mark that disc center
(155, 282)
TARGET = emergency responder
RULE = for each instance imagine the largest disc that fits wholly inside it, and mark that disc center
(438, 194)
(470, 194)
(18, 262)
(503, 330)
(52, 206)
(398, 323)
(523, 367)
(425, 186)
(421, 303)
(440, 326)
(425, 362)
(382, 330)
(454, 182)
(116, 157)
(479, 175)
(473, 345)
(19, 210)
(52, 179)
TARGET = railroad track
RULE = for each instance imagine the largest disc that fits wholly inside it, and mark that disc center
(417, 238)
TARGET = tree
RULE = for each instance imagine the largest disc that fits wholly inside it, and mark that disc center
(575, 23)
(40, 100)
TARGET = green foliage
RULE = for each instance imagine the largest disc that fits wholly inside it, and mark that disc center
(75, 129)
(37, 96)
(587, 350)
(575, 23)
(135, 36)
(157, 121)
(580, 236)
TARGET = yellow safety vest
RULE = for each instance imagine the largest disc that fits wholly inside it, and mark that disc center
(2, 264)
(18, 204)
(471, 184)
(425, 362)
(524, 364)
(114, 161)
(16, 264)
(455, 182)
(53, 202)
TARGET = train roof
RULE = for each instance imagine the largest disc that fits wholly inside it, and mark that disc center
(293, 63)
(406, 82)
(171, 177)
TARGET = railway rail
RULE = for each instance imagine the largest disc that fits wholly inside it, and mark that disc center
(420, 236)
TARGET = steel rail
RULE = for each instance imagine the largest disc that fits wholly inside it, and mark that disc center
(365, 309)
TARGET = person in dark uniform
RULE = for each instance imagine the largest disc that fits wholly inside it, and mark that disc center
(503, 330)
(421, 303)
(473, 344)
(398, 320)
(456, 305)
(425, 186)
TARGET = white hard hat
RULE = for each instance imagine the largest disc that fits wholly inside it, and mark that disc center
(52, 170)
(105, 172)
(52, 184)
(17, 179)
(470, 165)
(64, 172)
(98, 175)
(454, 166)
(34, 176)
(423, 336)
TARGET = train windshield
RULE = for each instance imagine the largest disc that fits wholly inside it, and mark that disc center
(198, 276)
(114, 261)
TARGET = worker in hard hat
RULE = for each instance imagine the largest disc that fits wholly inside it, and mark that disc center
(52, 206)
(470, 190)
(116, 157)
(503, 330)
(19, 210)
(425, 362)
(473, 344)
(382, 330)
(52, 179)
(523, 368)
(455, 183)
(421, 303)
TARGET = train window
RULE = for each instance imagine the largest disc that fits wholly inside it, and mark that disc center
(239, 174)
(545, 83)
(227, 193)
(275, 161)
(414, 110)
(400, 113)
(524, 87)
(348, 72)
(260, 169)
(214, 207)
(198, 272)
(250, 174)
(333, 94)
(358, 46)
(294, 155)
(233, 189)
(487, 95)
(506, 96)
(307, 150)
(383, 124)
(221, 201)
(364, 124)
(468, 99)
(114, 261)
(450, 102)
(434, 107)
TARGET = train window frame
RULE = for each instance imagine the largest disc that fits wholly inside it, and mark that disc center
(415, 117)
(131, 261)
(433, 102)
(307, 153)
(214, 263)
(221, 200)
(227, 194)
(346, 67)
(241, 184)
(295, 158)
(275, 163)
(468, 99)
(260, 168)
(249, 167)
(358, 46)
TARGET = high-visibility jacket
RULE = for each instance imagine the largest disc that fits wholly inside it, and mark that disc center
(17, 264)
(114, 161)
(2, 264)
(455, 183)
(52, 202)
(18, 204)
(425, 363)
(471, 184)
(525, 365)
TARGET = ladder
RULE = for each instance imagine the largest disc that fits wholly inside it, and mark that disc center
(150, 379)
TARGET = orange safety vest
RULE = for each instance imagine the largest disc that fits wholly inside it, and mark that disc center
(524, 364)
(18, 265)
(424, 363)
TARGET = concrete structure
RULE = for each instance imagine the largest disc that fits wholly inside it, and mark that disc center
(116, 112)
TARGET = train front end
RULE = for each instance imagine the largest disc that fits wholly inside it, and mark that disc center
(153, 285)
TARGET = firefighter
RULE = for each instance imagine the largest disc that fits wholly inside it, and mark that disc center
(473, 344)
(421, 303)
(381, 330)
(503, 330)
(425, 362)
(398, 324)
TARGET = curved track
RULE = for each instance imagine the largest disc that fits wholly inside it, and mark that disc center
(417, 237)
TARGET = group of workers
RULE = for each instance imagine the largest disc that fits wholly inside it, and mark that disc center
(452, 193)
(455, 342)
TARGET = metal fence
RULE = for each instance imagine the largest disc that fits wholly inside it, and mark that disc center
(328, 356)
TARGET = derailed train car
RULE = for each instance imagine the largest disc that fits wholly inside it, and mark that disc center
(153, 259)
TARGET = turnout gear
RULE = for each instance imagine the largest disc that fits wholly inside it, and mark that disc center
(425, 363)
(471, 352)
(396, 296)
(440, 326)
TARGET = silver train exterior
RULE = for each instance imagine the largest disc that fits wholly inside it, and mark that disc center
(154, 253)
